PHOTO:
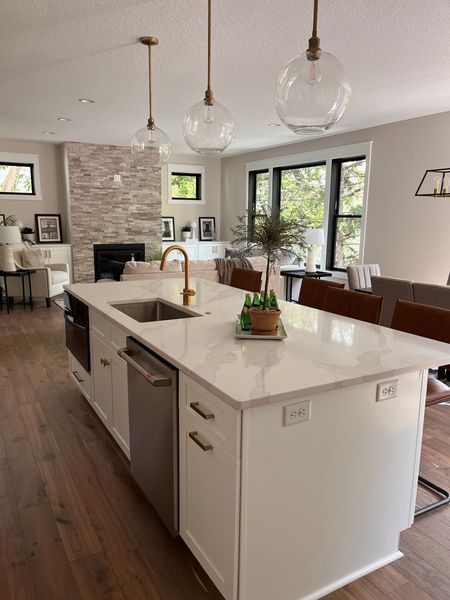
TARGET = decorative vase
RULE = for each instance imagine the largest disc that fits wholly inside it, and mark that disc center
(264, 322)
(186, 235)
(29, 237)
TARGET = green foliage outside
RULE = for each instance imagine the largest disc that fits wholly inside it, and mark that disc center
(15, 179)
(302, 195)
(184, 186)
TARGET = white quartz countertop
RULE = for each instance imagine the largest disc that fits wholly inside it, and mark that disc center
(323, 351)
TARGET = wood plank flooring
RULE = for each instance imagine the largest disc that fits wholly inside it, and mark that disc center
(74, 525)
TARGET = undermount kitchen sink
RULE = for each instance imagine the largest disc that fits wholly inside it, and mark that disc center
(153, 310)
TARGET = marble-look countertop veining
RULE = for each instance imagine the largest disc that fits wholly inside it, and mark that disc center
(323, 351)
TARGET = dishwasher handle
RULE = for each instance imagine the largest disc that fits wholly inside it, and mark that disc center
(154, 379)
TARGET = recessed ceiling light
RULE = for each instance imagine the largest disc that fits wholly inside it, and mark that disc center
(273, 124)
(86, 101)
(65, 119)
(48, 132)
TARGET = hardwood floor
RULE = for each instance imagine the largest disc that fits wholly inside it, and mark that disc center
(74, 525)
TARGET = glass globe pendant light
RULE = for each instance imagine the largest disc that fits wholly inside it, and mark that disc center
(208, 126)
(150, 137)
(312, 92)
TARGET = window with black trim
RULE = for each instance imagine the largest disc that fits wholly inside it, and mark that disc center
(186, 186)
(17, 178)
(346, 208)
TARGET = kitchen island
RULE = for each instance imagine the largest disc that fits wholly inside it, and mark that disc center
(306, 473)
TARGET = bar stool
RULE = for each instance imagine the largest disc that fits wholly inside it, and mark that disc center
(312, 291)
(363, 307)
(434, 323)
(246, 279)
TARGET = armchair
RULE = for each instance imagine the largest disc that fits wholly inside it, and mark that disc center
(48, 281)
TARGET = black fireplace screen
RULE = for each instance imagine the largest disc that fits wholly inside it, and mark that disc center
(110, 259)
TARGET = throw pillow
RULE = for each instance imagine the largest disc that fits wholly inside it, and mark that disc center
(7, 258)
(32, 258)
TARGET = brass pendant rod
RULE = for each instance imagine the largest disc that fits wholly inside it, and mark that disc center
(314, 51)
(316, 11)
(151, 122)
(209, 96)
(149, 41)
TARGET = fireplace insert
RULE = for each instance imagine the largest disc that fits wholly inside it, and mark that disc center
(110, 259)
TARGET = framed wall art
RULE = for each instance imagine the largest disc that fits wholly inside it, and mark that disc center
(48, 229)
(207, 229)
(168, 229)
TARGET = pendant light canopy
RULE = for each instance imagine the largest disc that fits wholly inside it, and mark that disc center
(150, 137)
(208, 126)
(312, 92)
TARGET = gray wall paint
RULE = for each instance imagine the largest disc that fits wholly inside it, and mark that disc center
(52, 183)
(103, 211)
(409, 237)
(184, 214)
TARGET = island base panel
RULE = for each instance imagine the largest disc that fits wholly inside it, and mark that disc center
(323, 501)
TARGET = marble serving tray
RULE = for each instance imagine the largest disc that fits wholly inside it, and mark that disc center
(248, 335)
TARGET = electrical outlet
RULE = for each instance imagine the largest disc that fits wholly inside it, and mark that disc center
(296, 413)
(387, 390)
(117, 178)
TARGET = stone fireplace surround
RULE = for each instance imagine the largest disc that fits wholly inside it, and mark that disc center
(105, 211)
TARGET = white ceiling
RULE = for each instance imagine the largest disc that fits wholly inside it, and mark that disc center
(396, 52)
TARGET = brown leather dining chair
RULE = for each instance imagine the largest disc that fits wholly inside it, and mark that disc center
(246, 279)
(312, 291)
(434, 323)
(363, 307)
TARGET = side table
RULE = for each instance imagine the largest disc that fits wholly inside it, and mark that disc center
(300, 274)
(21, 273)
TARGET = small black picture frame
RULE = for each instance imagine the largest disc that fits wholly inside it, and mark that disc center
(48, 229)
(207, 229)
(2, 218)
(168, 229)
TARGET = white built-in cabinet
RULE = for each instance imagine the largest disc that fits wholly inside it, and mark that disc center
(57, 254)
(198, 250)
(209, 482)
(106, 386)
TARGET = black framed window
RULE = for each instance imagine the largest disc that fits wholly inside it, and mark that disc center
(17, 178)
(346, 209)
(186, 186)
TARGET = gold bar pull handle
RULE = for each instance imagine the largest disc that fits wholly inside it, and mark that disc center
(206, 415)
(205, 447)
(77, 377)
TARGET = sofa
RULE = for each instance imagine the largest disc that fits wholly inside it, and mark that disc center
(49, 279)
(202, 269)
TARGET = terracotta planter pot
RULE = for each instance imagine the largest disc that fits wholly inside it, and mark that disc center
(264, 322)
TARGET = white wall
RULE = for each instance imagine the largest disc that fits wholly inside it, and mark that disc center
(51, 169)
(184, 214)
(408, 236)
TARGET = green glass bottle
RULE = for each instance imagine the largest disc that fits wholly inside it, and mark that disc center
(273, 303)
(245, 317)
(256, 300)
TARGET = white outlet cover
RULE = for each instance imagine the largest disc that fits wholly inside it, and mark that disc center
(387, 390)
(296, 413)
(117, 178)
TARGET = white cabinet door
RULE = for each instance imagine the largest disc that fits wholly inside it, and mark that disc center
(209, 503)
(101, 366)
(57, 254)
(205, 251)
(120, 424)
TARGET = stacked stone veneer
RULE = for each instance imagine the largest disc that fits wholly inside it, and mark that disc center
(102, 211)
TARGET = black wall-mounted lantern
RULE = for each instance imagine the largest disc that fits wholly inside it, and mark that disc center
(435, 180)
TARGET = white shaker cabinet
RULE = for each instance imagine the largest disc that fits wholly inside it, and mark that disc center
(101, 367)
(57, 254)
(198, 250)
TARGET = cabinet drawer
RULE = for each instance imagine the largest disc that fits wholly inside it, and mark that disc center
(100, 325)
(80, 376)
(209, 504)
(222, 422)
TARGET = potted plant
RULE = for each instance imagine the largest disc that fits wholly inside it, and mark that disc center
(273, 234)
(28, 234)
(186, 232)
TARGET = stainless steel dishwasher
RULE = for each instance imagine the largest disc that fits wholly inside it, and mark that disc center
(153, 411)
